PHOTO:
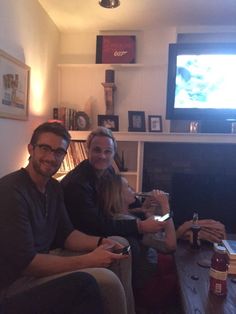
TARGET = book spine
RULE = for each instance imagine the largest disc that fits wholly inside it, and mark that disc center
(55, 113)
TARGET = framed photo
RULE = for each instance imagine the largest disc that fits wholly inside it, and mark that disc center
(154, 123)
(109, 121)
(82, 121)
(136, 121)
(14, 87)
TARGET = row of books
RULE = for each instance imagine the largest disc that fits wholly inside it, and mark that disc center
(231, 249)
(67, 116)
(75, 154)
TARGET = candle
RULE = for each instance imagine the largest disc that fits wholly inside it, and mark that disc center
(109, 76)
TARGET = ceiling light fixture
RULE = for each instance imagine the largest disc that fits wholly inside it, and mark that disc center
(109, 4)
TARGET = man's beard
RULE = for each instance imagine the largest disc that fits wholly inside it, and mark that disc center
(37, 165)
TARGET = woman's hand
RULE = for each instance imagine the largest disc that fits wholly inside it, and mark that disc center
(210, 235)
(156, 198)
(150, 225)
(161, 198)
(183, 231)
(211, 230)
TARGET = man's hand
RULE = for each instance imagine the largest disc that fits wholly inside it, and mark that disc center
(103, 256)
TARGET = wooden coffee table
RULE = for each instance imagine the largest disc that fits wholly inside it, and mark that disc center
(194, 282)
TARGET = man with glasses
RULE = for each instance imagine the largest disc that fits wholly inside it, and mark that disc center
(46, 265)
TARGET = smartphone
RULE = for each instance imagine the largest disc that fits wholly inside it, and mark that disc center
(164, 217)
(124, 251)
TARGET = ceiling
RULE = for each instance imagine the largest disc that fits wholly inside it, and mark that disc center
(85, 15)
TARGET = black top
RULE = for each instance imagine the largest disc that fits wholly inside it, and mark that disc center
(80, 193)
(30, 222)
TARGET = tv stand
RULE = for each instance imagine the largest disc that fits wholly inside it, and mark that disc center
(204, 126)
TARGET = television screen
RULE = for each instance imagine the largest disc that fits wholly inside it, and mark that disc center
(201, 83)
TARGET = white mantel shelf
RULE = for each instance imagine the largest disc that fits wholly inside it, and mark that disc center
(165, 137)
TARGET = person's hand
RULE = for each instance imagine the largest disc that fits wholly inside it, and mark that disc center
(103, 256)
(212, 224)
(210, 235)
(211, 230)
(156, 198)
(150, 225)
(161, 198)
(183, 231)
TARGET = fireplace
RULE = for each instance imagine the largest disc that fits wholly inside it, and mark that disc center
(199, 177)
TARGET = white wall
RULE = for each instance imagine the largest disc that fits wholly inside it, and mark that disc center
(138, 88)
(28, 34)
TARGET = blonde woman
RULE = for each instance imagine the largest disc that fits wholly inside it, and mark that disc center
(156, 272)
(115, 197)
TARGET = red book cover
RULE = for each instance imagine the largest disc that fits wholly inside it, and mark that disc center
(116, 49)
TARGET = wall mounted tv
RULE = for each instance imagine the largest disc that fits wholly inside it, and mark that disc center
(201, 82)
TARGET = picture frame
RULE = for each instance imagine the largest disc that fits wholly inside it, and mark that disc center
(82, 122)
(154, 123)
(136, 121)
(14, 87)
(109, 121)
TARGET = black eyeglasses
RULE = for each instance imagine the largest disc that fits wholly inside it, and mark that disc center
(47, 149)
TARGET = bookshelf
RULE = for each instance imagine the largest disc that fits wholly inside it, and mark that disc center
(76, 153)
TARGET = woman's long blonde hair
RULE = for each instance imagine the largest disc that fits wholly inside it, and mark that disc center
(110, 194)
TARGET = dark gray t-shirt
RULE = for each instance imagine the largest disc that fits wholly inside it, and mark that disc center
(30, 223)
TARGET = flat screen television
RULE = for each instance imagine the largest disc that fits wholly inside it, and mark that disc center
(201, 82)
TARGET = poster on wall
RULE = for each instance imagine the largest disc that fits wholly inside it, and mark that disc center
(14, 87)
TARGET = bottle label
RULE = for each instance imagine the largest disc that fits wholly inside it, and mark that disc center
(218, 287)
(218, 275)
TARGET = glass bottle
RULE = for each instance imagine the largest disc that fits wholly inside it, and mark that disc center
(195, 228)
(219, 271)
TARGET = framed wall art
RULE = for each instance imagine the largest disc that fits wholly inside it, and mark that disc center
(109, 121)
(14, 87)
(154, 123)
(115, 49)
(136, 121)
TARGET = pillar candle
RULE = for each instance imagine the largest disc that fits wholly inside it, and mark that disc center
(109, 76)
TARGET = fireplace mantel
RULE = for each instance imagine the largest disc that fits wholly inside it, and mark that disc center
(132, 144)
(176, 137)
(165, 137)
